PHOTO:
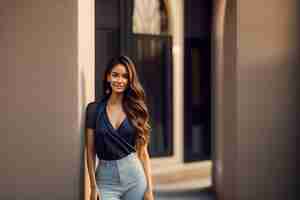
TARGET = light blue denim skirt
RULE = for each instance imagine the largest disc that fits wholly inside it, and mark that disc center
(122, 179)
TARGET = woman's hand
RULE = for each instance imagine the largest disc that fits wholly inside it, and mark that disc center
(93, 194)
(148, 195)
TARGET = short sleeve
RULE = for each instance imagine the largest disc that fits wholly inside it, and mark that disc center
(90, 119)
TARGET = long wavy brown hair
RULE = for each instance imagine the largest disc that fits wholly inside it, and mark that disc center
(133, 102)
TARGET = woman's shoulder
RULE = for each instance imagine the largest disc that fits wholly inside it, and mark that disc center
(92, 103)
(92, 106)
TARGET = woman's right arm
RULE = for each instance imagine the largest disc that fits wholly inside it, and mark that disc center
(91, 154)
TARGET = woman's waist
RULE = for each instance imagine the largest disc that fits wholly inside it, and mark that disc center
(131, 157)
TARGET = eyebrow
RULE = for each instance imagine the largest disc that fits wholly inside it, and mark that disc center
(127, 74)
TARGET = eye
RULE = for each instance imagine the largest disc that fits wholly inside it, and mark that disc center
(126, 76)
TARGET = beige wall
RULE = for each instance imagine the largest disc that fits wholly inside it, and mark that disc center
(268, 99)
(259, 103)
(218, 133)
(40, 152)
(86, 75)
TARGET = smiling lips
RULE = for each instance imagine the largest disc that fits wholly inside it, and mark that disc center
(118, 86)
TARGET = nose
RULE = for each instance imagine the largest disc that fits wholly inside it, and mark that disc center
(119, 80)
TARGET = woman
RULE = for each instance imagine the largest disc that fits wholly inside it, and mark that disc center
(117, 131)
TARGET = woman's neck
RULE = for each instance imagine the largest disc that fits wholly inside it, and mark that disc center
(115, 98)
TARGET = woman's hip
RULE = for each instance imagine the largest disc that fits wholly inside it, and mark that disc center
(124, 171)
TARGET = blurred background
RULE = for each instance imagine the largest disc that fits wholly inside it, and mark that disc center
(222, 86)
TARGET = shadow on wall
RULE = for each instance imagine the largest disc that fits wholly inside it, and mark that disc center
(82, 177)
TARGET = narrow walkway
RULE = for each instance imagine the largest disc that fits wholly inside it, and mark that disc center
(200, 194)
(189, 182)
(182, 180)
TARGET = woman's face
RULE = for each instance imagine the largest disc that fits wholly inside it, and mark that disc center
(118, 78)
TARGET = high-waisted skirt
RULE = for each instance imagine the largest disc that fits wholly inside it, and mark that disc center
(122, 179)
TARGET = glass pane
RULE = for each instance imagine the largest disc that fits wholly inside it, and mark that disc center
(153, 57)
(150, 17)
(196, 78)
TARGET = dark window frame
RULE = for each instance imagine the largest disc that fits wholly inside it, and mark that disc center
(167, 73)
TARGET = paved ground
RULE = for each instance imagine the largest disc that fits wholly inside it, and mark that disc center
(201, 194)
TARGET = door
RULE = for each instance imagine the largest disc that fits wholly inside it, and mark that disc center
(197, 73)
(107, 38)
(197, 100)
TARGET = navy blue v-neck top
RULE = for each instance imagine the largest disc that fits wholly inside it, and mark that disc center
(110, 143)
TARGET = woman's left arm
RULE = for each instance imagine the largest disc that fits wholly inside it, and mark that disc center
(145, 158)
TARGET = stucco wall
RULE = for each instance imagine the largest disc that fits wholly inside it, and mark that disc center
(268, 99)
(40, 156)
(257, 101)
(260, 101)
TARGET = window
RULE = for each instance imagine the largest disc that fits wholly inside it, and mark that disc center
(150, 17)
(151, 48)
(154, 65)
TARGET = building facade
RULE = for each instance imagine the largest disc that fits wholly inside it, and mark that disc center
(48, 77)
